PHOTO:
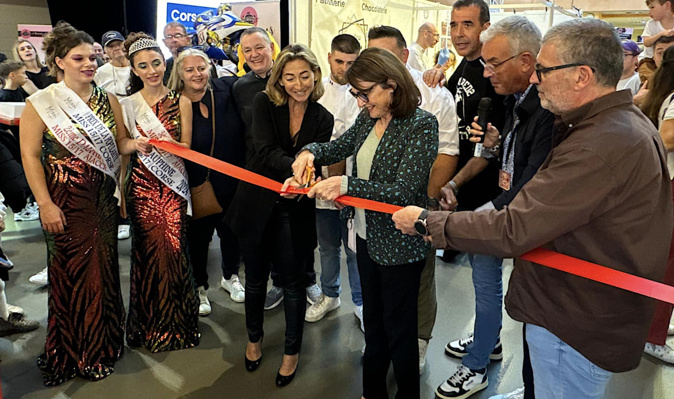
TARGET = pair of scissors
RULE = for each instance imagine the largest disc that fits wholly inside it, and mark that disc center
(308, 176)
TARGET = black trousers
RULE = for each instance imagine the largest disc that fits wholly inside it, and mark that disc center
(309, 270)
(527, 371)
(276, 248)
(199, 236)
(390, 295)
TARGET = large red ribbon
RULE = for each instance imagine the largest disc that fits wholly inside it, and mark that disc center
(540, 256)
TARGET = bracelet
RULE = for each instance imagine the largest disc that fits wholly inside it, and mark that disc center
(455, 188)
(494, 150)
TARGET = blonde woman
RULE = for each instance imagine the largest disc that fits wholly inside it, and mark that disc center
(272, 229)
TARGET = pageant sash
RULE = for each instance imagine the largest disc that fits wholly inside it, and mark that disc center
(59, 106)
(166, 167)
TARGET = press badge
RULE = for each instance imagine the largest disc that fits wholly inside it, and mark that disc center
(504, 179)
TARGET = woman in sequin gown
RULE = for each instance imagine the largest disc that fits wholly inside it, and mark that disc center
(163, 308)
(79, 212)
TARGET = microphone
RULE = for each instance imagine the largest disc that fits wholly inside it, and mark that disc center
(483, 111)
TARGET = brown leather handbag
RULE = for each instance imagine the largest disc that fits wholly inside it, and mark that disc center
(204, 202)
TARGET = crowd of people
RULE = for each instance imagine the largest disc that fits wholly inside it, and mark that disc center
(574, 156)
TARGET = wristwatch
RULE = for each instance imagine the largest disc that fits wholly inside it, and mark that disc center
(420, 224)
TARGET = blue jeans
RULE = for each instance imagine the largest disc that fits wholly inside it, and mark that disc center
(488, 283)
(560, 372)
(332, 232)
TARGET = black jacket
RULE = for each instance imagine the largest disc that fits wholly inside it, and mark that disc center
(229, 139)
(533, 144)
(274, 153)
(13, 184)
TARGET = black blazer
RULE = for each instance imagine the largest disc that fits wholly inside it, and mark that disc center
(274, 153)
(229, 140)
(534, 142)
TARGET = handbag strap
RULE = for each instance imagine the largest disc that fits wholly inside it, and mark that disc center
(208, 174)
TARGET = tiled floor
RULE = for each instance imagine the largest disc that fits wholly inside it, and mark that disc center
(330, 361)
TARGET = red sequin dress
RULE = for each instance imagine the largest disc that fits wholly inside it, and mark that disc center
(85, 326)
(163, 307)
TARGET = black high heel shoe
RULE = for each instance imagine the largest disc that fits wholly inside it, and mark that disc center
(283, 380)
(252, 365)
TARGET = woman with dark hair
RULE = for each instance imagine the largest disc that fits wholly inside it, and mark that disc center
(213, 107)
(37, 73)
(163, 305)
(659, 107)
(71, 136)
(272, 229)
(394, 144)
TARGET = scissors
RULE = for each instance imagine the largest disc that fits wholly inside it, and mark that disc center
(308, 176)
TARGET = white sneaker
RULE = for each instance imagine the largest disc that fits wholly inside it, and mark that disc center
(234, 287)
(204, 304)
(423, 347)
(670, 330)
(464, 383)
(516, 394)
(662, 352)
(27, 214)
(123, 231)
(321, 307)
(358, 310)
(39, 278)
(313, 293)
(15, 309)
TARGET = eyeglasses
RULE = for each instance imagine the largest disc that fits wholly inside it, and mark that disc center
(628, 54)
(491, 67)
(540, 71)
(176, 36)
(435, 35)
(362, 94)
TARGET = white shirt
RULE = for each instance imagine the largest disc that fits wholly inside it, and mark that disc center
(666, 113)
(633, 83)
(344, 109)
(652, 28)
(417, 58)
(439, 102)
(113, 79)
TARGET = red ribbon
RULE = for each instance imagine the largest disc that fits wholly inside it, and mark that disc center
(554, 260)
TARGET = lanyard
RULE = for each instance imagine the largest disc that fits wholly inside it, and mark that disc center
(508, 163)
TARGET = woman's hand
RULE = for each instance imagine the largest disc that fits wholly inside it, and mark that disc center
(490, 139)
(143, 145)
(326, 190)
(52, 218)
(289, 183)
(304, 159)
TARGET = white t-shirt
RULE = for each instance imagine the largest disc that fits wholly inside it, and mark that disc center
(439, 102)
(633, 83)
(344, 109)
(651, 28)
(667, 113)
(113, 79)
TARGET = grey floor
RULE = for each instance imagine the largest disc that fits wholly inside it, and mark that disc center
(330, 363)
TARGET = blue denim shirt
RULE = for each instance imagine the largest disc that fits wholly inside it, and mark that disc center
(399, 176)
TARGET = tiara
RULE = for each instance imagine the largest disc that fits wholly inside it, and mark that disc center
(142, 44)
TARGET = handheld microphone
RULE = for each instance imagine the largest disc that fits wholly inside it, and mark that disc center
(483, 112)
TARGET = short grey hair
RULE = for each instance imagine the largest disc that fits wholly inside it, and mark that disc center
(591, 42)
(176, 24)
(523, 35)
(253, 30)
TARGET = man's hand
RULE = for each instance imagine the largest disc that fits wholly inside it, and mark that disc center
(448, 200)
(405, 218)
(433, 77)
(490, 140)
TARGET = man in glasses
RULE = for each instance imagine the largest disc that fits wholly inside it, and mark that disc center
(175, 37)
(603, 195)
(630, 78)
(428, 37)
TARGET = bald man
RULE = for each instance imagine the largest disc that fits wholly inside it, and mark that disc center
(428, 37)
